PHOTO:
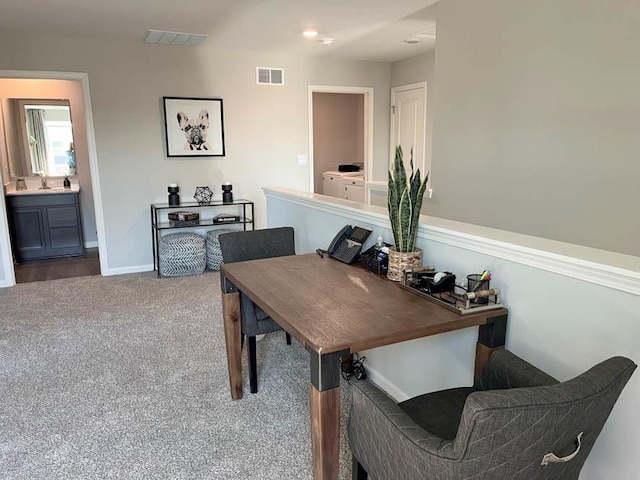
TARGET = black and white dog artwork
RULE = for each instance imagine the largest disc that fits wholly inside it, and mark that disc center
(195, 130)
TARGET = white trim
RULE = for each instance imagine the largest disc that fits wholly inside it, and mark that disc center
(517, 249)
(83, 78)
(384, 384)
(6, 255)
(368, 126)
(92, 244)
(125, 270)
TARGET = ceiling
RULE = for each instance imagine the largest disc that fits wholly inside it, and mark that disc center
(372, 30)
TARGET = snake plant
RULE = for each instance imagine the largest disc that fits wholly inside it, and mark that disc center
(404, 201)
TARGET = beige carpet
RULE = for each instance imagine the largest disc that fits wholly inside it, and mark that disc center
(125, 377)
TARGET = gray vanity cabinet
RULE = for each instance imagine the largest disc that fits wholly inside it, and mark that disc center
(45, 226)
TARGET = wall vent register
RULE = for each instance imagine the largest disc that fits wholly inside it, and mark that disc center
(269, 76)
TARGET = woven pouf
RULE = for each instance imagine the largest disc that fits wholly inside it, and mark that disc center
(214, 253)
(182, 254)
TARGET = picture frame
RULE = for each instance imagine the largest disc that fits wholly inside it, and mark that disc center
(194, 127)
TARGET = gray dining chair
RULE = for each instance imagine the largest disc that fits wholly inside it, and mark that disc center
(252, 245)
(515, 423)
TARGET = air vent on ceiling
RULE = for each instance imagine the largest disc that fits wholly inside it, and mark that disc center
(269, 76)
(174, 38)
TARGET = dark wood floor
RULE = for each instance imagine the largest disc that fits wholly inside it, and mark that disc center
(59, 268)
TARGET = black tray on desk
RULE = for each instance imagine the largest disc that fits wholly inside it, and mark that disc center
(455, 299)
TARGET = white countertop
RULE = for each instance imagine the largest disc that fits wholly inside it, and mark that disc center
(11, 190)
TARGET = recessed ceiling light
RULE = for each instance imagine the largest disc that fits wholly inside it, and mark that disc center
(310, 32)
(327, 41)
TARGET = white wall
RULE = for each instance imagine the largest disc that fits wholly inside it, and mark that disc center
(266, 127)
(566, 313)
(536, 126)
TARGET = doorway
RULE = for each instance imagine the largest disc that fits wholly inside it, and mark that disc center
(356, 141)
(34, 85)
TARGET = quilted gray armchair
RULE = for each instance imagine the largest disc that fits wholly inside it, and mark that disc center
(515, 423)
(253, 245)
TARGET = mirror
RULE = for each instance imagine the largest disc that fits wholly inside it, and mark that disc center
(39, 138)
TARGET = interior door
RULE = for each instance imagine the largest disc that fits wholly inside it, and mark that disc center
(408, 124)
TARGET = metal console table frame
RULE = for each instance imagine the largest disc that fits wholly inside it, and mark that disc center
(159, 221)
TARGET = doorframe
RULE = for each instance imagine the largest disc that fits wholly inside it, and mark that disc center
(6, 255)
(368, 127)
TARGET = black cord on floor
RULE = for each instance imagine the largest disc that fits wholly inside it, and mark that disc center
(357, 371)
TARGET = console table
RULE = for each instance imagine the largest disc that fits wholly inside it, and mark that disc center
(160, 221)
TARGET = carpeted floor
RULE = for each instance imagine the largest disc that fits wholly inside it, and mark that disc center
(125, 377)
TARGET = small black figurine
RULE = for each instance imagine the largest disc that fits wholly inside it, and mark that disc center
(227, 194)
(174, 197)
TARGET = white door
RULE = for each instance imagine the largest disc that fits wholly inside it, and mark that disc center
(408, 124)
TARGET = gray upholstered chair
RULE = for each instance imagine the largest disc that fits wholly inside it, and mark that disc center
(504, 427)
(253, 245)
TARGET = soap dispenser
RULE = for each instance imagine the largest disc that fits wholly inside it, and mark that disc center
(66, 183)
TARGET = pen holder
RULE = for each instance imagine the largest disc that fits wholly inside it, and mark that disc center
(474, 284)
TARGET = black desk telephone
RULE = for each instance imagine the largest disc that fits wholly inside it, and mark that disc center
(347, 244)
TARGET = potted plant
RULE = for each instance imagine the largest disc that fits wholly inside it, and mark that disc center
(404, 201)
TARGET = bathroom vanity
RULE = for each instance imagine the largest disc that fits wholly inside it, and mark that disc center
(45, 224)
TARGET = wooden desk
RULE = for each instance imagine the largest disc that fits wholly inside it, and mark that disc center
(334, 309)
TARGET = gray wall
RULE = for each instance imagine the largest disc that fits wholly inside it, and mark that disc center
(537, 118)
(266, 127)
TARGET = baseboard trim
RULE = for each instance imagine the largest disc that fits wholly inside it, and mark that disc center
(384, 384)
(91, 244)
(125, 270)
(544, 257)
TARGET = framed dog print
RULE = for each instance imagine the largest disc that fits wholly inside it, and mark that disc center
(194, 127)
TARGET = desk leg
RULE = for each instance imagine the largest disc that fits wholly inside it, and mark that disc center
(233, 340)
(324, 406)
(491, 337)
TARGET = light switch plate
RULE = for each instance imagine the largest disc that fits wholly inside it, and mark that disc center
(302, 160)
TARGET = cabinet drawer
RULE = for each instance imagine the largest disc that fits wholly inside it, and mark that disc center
(61, 217)
(41, 200)
(66, 238)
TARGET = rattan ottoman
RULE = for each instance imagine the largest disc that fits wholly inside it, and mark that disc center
(182, 254)
(214, 254)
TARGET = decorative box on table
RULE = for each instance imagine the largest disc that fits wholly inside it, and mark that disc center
(183, 216)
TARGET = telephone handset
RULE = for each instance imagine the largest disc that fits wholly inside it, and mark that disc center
(347, 243)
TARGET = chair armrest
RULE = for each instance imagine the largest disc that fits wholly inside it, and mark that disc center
(381, 413)
(506, 370)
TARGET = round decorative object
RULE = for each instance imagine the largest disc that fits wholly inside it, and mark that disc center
(203, 195)
(227, 194)
(399, 262)
(174, 196)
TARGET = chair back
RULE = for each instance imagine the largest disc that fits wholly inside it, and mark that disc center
(256, 244)
(506, 433)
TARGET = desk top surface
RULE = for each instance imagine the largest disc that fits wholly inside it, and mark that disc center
(330, 306)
